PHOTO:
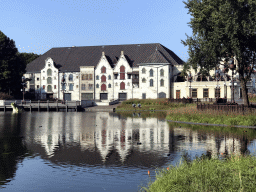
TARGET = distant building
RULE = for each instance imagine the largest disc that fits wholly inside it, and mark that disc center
(120, 72)
(104, 73)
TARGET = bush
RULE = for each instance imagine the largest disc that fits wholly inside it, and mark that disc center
(5, 96)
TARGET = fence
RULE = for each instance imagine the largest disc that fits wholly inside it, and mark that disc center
(227, 108)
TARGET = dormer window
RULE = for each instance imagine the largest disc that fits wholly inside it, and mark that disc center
(103, 69)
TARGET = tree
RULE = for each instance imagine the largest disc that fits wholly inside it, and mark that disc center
(223, 29)
(28, 57)
(12, 67)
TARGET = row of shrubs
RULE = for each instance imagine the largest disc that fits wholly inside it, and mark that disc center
(5, 96)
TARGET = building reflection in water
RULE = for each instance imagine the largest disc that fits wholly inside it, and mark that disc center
(132, 138)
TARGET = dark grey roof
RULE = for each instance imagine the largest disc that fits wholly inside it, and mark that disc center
(155, 57)
(71, 58)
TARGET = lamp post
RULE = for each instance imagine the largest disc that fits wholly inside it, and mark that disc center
(63, 83)
(23, 87)
(190, 79)
(217, 74)
(232, 67)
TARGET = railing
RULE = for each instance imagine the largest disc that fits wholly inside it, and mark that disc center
(227, 108)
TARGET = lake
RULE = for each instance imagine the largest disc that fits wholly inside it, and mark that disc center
(100, 151)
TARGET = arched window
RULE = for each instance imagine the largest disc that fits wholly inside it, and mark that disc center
(71, 85)
(151, 73)
(109, 77)
(103, 69)
(122, 72)
(83, 76)
(97, 85)
(70, 77)
(103, 87)
(143, 80)
(161, 72)
(97, 77)
(109, 85)
(151, 83)
(49, 88)
(143, 70)
(103, 78)
(49, 72)
(49, 80)
(122, 85)
(161, 82)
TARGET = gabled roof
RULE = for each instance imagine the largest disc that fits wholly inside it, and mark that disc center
(71, 58)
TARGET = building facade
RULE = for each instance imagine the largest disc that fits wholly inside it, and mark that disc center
(119, 72)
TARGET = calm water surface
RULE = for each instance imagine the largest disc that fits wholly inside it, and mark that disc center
(100, 151)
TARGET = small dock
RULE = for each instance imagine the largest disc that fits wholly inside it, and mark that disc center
(67, 106)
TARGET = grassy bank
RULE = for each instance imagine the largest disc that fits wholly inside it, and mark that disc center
(150, 104)
(186, 112)
(190, 114)
(236, 173)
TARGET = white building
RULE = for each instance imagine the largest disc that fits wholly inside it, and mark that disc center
(119, 72)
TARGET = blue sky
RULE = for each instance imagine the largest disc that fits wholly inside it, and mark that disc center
(37, 26)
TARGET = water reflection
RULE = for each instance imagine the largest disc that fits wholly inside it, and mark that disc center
(104, 139)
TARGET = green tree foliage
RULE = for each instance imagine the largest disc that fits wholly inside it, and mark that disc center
(12, 67)
(223, 29)
(28, 57)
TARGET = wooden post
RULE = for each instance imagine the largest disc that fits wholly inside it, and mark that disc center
(38, 105)
(48, 105)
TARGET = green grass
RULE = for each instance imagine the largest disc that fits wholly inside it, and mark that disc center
(150, 105)
(236, 173)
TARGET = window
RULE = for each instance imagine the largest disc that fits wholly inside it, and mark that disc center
(97, 77)
(115, 76)
(55, 86)
(151, 83)
(77, 86)
(122, 85)
(83, 76)
(143, 80)
(37, 78)
(83, 87)
(103, 78)
(77, 76)
(217, 92)
(49, 80)
(49, 72)
(55, 78)
(49, 65)
(109, 85)
(37, 86)
(97, 85)
(87, 96)
(90, 76)
(128, 84)
(109, 77)
(90, 86)
(43, 86)
(122, 72)
(161, 82)
(103, 87)
(194, 93)
(143, 70)
(103, 69)
(49, 88)
(116, 84)
(43, 78)
(161, 72)
(151, 73)
(205, 93)
(64, 87)
(70, 77)
(129, 76)
(71, 85)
